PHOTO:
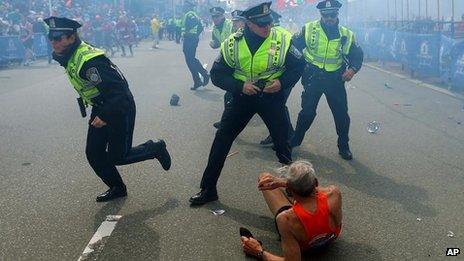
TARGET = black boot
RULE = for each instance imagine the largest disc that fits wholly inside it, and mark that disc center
(112, 193)
(194, 87)
(162, 154)
(345, 152)
(203, 197)
(205, 79)
(217, 125)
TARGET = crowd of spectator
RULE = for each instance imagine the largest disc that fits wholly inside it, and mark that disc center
(103, 24)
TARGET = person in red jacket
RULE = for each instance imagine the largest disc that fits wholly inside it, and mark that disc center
(309, 217)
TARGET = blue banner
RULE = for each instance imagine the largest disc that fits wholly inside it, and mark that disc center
(41, 46)
(445, 58)
(11, 48)
(426, 56)
(403, 48)
(457, 76)
(385, 45)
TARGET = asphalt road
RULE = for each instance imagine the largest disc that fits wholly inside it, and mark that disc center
(401, 194)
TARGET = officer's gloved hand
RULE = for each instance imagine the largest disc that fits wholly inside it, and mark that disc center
(250, 89)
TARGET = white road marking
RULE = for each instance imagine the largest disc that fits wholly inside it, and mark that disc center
(105, 230)
(414, 81)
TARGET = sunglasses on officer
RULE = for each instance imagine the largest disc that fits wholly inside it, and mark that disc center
(330, 15)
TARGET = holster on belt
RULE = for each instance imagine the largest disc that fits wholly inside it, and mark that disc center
(81, 104)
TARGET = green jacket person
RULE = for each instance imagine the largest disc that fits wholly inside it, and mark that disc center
(101, 85)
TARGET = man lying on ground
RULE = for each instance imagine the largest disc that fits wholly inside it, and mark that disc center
(309, 218)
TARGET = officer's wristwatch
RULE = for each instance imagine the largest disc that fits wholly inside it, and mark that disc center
(260, 255)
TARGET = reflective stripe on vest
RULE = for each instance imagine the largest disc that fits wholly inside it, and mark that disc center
(86, 89)
(268, 63)
(225, 33)
(194, 29)
(323, 53)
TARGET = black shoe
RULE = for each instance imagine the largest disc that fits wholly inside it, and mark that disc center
(206, 79)
(195, 87)
(112, 193)
(162, 154)
(217, 125)
(266, 141)
(346, 154)
(203, 197)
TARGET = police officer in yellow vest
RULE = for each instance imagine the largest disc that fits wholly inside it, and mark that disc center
(333, 58)
(256, 65)
(191, 29)
(276, 23)
(222, 28)
(100, 84)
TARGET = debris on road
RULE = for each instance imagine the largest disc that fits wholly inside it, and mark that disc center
(419, 219)
(232, 154)
(388, 86)
(218, 212)
(450, 234)
(174, 100)
(373, 127)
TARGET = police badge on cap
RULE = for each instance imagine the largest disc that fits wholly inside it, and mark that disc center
(329, 6)
(259, 14)
(216, 11)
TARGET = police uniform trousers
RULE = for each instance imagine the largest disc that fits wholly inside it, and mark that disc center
(111, 145)
(190, 48)
(287, 93)
(333, 87)
(270, 107)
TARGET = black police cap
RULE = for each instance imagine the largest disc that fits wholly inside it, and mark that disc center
(259, 14)
(216, 11)
(237, 15)
(329, 6)
(276, 16)
(62, 24)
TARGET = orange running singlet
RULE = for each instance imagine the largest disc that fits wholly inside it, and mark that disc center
(317, 226)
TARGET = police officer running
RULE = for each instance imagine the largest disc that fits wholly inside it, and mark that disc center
(101, 85)
(222, 28)
(256, 65)
(333, 58)
(191, 29)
